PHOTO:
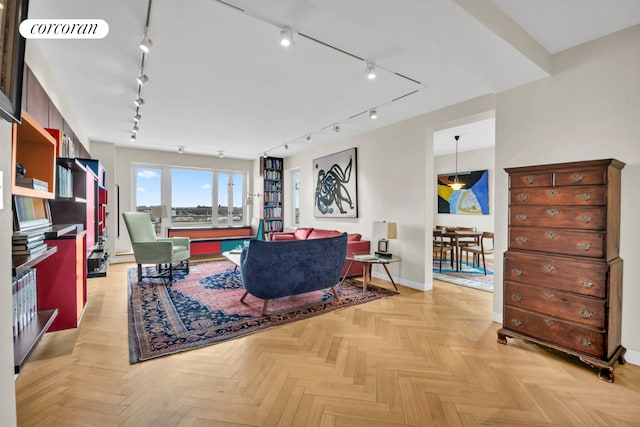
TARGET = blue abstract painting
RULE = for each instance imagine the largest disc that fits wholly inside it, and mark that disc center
(471, 199)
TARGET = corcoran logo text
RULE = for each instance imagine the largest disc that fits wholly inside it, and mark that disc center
(64, 29)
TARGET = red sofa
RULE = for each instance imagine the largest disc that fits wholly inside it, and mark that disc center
(355, 244)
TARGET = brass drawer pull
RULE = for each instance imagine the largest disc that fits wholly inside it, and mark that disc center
(586, 284)
(522, 240)
(516, 297)
(551, 234)
(549, 322)
(553, 193)
(577, 177)
(584, 246)
(522, 197)
(549, 267)
(516, 322)
(517, 272)
(549, 295)
(529, 180)
(522, 217)
(585, 342)
(585, 219)
(585, 196)
(586, 314)
(552, 212)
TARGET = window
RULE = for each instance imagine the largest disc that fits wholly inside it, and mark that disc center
(192, 194)
(295, 214)
(148, 188)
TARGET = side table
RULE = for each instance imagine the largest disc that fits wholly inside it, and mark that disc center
(369, 260)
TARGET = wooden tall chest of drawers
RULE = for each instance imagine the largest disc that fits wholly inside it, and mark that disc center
(562, 271)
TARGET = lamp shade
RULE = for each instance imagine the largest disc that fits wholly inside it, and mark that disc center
(159, 211)
(386, 230)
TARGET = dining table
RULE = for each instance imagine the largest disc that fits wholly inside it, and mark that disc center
(455, 236)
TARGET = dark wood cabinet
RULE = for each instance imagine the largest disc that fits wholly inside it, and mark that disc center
(562, 271)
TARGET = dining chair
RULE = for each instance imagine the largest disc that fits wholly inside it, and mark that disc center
(440, 247)
(480, 250)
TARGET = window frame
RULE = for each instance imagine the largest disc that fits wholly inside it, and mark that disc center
(166, 193)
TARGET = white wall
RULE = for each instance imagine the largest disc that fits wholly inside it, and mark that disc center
(467, 161)
(589, 109)
(7, 382)
(391, 171)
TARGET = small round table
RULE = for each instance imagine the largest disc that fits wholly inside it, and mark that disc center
(368, 260)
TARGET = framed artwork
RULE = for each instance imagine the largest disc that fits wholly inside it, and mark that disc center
(336, 190)
(471, 199)
(12, 46)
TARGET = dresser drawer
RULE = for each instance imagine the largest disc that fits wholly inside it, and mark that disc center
(531, 180)
(580, 217)
(580, 338)
(586, 195)
(587, 176)
(564, 274)
(563, 305)
(568, 242)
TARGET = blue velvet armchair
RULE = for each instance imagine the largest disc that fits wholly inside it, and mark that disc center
(149, 249)
(274, 269)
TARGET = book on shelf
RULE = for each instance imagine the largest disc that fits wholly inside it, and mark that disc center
(27, 245)
(33, 183)
(23, 239)
(24, 298)
(31, 251)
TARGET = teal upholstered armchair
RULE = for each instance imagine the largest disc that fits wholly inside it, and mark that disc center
(149, 249)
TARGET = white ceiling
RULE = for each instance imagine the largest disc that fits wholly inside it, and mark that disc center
(220, 81)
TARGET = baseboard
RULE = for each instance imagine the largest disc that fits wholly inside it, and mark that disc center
(497, 317)
(403, 282)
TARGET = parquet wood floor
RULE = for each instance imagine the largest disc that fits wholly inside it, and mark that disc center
(418, 359)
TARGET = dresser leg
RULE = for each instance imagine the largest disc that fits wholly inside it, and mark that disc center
(606, 374)
(502, 338)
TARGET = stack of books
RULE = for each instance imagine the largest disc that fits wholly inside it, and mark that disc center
(28, 242)
(24, 293)
(34, 183)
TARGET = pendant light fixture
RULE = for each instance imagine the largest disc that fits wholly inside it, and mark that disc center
(456, 185)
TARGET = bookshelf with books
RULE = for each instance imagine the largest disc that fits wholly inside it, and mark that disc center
(33, 160)
(272, 176)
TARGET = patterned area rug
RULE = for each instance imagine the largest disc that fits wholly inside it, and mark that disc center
(469, 276)
(204, 308)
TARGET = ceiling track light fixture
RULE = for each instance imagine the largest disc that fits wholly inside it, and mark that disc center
(308, 138)
(371, 70)
(180, 149)
(286, 146)
(133, 137)
(456, 185)
(142, 79)
(145, 44)
(138, 102)
(220, 154)
(136, 128)
(373, 113)
(336, 128)
(137, 117)
(286, 37)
